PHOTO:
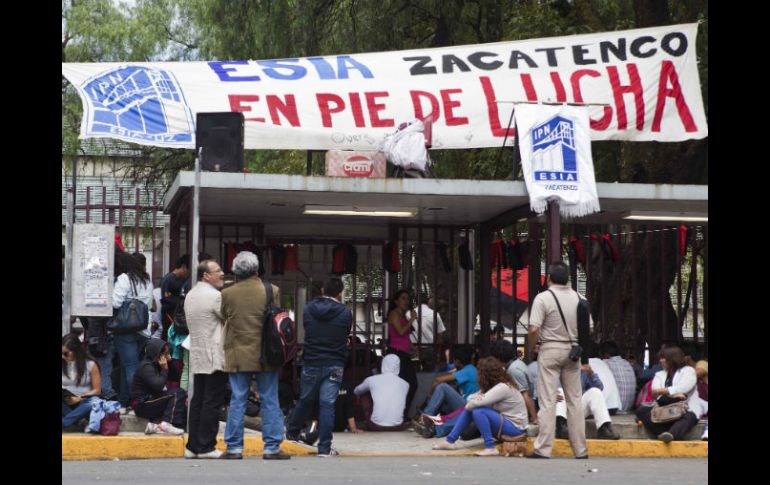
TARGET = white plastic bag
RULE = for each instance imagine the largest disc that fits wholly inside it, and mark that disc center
(406, 147)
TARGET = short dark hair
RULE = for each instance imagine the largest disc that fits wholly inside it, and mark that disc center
(333, 286)
(559, 272)
(609, 347)
(692, 349)
(204, 256)
(502, 350)
(462, 354)
(203, 267)
(183, 260)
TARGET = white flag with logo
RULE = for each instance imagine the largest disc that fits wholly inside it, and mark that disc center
(555, 145)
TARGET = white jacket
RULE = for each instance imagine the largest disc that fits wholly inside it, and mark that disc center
(203, 309)
(685, 382)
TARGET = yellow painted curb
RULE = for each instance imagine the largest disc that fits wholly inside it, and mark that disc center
(96, 447)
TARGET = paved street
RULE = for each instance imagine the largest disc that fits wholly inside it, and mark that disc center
(365, 470)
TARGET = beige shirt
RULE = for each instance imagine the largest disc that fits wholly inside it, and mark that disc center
(545, 314)
(203, 309)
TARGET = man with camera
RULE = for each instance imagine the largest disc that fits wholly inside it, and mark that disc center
(553, 323)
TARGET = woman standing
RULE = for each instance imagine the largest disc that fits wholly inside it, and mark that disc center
(80, 381)
(133, 283)
(676, 382)
(497, 409)
(399, 343)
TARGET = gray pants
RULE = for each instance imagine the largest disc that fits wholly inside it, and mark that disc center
(555, 368)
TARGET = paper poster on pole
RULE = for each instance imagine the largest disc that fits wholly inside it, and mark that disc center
(92, 269)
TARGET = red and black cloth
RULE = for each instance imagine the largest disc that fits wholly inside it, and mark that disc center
(345, 259)
(682, 240)
(516, 257)
(576, 250)
(603, 242)
(230, 250)
(390, 260)
(292, 258)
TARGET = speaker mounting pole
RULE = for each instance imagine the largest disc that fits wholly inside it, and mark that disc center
(194, 246)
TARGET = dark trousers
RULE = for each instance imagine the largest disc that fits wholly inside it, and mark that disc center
(407, 373)
(208, 397)
(168, 407)
(678, 428)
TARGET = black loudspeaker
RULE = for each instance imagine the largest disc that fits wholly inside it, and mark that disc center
(221, 136)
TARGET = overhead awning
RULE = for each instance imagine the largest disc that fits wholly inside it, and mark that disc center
(279, 201)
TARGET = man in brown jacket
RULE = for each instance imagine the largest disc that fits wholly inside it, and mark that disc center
(243, 308)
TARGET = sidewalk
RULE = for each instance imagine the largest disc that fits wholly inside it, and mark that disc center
(136, 445)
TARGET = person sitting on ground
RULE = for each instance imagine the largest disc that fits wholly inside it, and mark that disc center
(443, 397)
(388, 393)
(165, 409)
(600, 368)
(80, 381)
(676, 382)
(692, 357)
(497, 409)
(593, 404)
(622, 371)
(443, 364)
(444, 400)
(503, 351)
(649, 373)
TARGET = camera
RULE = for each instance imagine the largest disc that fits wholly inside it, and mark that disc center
(575, 352)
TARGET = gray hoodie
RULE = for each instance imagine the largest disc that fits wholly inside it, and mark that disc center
(388, 393)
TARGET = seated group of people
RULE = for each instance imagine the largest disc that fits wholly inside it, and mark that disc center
(164, 408)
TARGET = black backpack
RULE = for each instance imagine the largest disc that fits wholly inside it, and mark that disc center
(180, 319)
(279, 333)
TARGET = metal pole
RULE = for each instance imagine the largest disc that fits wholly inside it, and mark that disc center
(194, 255)
(67, 310)
(663, 289)
(553, 229)
(485, 277)
(694, 276)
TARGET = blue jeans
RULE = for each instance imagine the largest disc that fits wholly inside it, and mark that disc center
(129, 347)
(105, 368)
(71, 415)
(444, 399)
(322, 383)
(272, 417)
(488, 421)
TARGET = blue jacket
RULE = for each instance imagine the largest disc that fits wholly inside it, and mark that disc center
(589, 382)
(327, 325)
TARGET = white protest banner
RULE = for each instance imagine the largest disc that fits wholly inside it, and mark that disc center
(556, 158)
(645, 84)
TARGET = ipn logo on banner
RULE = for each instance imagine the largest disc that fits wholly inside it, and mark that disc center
(554, 157)
(139, 104)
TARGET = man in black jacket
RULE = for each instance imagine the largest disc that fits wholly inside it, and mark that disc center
(327, 324)
(149, 396)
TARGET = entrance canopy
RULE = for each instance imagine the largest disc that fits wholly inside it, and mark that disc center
(281, 202)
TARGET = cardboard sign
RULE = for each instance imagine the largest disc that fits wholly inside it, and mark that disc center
(367, 164)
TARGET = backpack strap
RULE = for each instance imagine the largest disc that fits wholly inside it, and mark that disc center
(563, 320)
(269, 293)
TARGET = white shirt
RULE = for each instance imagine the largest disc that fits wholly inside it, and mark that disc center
(610, 391)
(685, 382)
(123, 289)
(426, 322)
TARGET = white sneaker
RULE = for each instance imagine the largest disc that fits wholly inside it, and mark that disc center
(151, 428)
(167, 428)
(189, 454)
(444, 445)
(488, 452)
(705, 436)
(123, 411)
(211, 454)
